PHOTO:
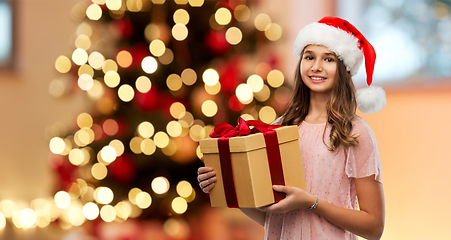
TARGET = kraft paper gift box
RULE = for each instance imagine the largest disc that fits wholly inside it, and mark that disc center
(251, 171)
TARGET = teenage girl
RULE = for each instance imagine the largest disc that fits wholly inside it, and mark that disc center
(344, 196)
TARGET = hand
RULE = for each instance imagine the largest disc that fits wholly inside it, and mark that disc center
(206, 178)
(295, 198)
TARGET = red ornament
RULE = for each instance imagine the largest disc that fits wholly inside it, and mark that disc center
(235, 104)
(229, 76)
(217, 42)
(122, 169)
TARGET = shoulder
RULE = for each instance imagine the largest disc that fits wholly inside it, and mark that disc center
(361, 128)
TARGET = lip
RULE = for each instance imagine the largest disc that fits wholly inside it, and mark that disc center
(317, 79)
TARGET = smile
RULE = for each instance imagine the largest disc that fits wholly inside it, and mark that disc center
(317, 79)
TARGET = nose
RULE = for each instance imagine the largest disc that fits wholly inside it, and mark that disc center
(316, 66)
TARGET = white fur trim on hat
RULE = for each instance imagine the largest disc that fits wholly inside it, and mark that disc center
(370, 99)
(342, 43)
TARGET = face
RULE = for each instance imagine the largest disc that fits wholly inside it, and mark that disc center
(318, 69)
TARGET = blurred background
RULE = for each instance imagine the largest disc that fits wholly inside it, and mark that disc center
(103, 103)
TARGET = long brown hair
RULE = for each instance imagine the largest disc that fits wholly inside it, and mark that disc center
(341, 106)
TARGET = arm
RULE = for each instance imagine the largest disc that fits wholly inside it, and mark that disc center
(207, 178)
(367, 222)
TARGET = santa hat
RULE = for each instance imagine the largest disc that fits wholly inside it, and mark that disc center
(350, 46)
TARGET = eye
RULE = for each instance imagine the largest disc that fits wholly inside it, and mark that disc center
(330, 60)
(308, 57)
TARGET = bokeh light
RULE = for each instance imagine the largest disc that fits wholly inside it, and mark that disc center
(83, 42)
(179, 32)
(209, 108)
(181, 16)
(148, 146)
(196, 3)
(96, 60)
(28, 217)
(255, 82)
(104, 195)
(91, 211)
(108, 213)
(244, 93)
(213, 90)
(114, 4)
(126, 93)
(149, 64)
(174, 82)
(80, 56)
(124, 59)
(108, 154)
(146, 129)
(99, 171)
(160, 185)
(109, 65)
(143, 200)
(84, 120)
(262, 21)
(94, 12)
(273, 32)
(275, 78)
(177, 109)
(161, 139)
(112, 79)
(63, 64)
(57, 145)
(267, 114)
(184, 189)
(118, 146)
(242, 13)
(179, 205)
(143, 84)
(223, 16)
(62, 199)
(167, 57)
(210, 77)
(85, 82)
(174, 129)
(157, 47)
(189, 76)
(263, 94)
(234, 35)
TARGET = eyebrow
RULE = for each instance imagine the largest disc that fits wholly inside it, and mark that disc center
(327, 53)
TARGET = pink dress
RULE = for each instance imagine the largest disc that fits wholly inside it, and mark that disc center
(330, 176)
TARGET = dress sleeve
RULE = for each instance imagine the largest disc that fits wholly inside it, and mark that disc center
(363, 160)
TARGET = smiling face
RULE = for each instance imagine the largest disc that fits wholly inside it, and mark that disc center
(318, 68)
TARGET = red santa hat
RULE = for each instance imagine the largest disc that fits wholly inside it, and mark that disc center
(350, 46)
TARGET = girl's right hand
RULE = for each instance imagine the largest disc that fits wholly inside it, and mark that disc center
(206, 178)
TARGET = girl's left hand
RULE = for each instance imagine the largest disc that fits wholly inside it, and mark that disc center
(295, 198)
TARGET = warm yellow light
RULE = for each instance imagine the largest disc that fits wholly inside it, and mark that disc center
(263, 94)
(179, 205)
(132, 194)
(244, 93)
(209, 108)
(85, 69)
(112, 79)
(2, 221)
(242, 13)
(267, 114)
(161, 139)
(255, 82)
(126, 93)
(213, 90)
(160, 185)
(146, 129)
(84, 28)
(99, 2)
(179, 32)
(110, 127)
(206, 131)
(63, 64)
(76, 156)
(170, 149)
(28, 217)
(148, 146)
(149, 64)
(109, 65)
(62, 199)
(157, 47)
(96, 60)
(80, 56)
(57, 145)
(84, 120)
(143, 200)
(195, 132)
(196, 3)
(275, 78)
(181, 16)
(114, 4)
(108, 154)
(210, 77)
(104, 195)
(152, 31)
(76, 217)
(85, 82)
(247, 116)
(189, 76)
(174, 82)
(124, 59)
(143, 84)
(262, 21)
(158, 1)
(91, 211)
(7, 207)
(99, 171)
(123, 209)
(184, 189)
(174, 129)
(108, 213)
(177, 109)
(94, 12)
(135, 145)
(167, 57)
(83, 42)
(44, 218)
(57, 87)
(118, 146)
(84, 137)
(234, 35)
(223, 16)
(181, 2)
(273, 32)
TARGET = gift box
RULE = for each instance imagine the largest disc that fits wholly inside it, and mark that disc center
(245, 174)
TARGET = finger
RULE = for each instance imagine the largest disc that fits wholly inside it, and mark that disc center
(204, 170)
(208, 188)
(207, 182)
(205, 176)
(281, 188)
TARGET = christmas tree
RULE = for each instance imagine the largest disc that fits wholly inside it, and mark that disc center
(158, 76)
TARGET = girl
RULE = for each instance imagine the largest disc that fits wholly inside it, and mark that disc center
(344, 196)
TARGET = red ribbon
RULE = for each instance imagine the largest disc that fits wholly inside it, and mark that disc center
(224, 131)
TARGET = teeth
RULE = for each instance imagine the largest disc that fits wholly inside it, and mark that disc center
(317, 78)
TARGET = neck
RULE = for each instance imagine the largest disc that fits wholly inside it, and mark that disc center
(317, 109)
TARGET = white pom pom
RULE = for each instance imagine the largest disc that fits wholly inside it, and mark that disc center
(370, 99)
